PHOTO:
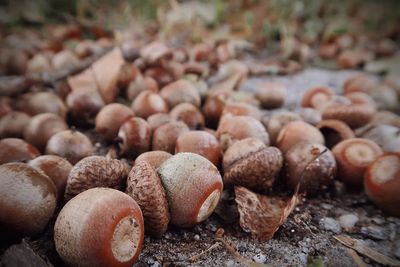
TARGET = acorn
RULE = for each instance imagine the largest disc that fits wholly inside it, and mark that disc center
(5, 106)
(355, 115)
(181, 91)
(386, 136)
(140, 84)
(70, 144)
(95, 171)
(328, 51)
(358, 83)
(39, 63)
(56, 168)
(277, 121)
(144, 186)
(16, 150)
(385, 117)
(13, 124)
(250, 163)
(233, 128)
(42, 127)
(189, 114)
(309, 115)
(202, 143)
(155, 51)
(382, 181)
(158, 119)
(298, 131)
(241, 109)
(165, 136)
(148, 103)
(44, 102)
(99, 227)
(271, 94)
(385, 97)
(134, 137)
(110, 118)
(213, 108)
(312, 165)
(28, 198)
(316, 97)
(127, 74)
(334, 131)
(64, 59)
(353, 157)
(361, 98)
(155, 158)
(83, 105)
(193, 186)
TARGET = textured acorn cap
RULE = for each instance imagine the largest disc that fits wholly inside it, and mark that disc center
(353, 157)
(353, 115)
(16, 150)
(189, 114)
(13, 124)
(56, 168)
(110, 118)
(95, 171)
(181, 91)
(304, 161)
(28, 198)
(334, 131)
(295, 132)
(42, 127)
(382, 181)
(193, 186)
(155, 158)
(145, 187)
(99, 227)
(316, 97)
(255, 170)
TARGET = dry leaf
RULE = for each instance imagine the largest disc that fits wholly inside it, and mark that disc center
(106, 73)
(262, 215)
(83, 81)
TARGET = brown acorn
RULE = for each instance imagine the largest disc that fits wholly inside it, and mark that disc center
(56, 168)
(241, 109)
(277, 121)
(110, 118)
(44, 102)
(316, 97)
(386, 117)
(386, 136)
(353, 156)
(148, 103)
(250, 163)
(334, 131)
(155, 158)
(158, 119)
(13, 124)
(70, 144)
(42, 127)
(355, 115)
(202, 143)
(83, 105)
(95, 171)
(140, 84)
(145, 187)
(358, 83)
(189, 114)
(16, 150)
(309, 115)
(271, 95)
(180, 91)
(295, 132)
(165, 136)
(213, 108)
(304, 161)
(28, 198)
(134, 137)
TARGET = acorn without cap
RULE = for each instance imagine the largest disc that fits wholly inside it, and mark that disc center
(165, 136)
(189, 114)
(271, 94)
(181, 91)
(382, 181)
(134, 137)
(148, 103)
(16, 150)
(28, 198)
(99, 227)
(13, 124)
(193, 186)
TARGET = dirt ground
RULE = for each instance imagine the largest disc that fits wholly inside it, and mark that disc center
(306, 239)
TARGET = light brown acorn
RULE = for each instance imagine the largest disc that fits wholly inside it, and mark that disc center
(193, 187)
(148, 103)
(16, 150)
(44, 102)
(134, 137)
(271, 94)
(317, 97)
(241, 109)
(334, 131)
(144, 186)
(13, 124)
(155, 158)
(250, 163)
(95, 171)
(158, 119)
(99, 227)
(277, 121)
(189, 114)
(42, 127)
(180, 91)
(28, 198)
(83, 105)
(165, 136)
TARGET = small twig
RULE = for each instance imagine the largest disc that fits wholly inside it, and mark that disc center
(356, 258)
(196, 257)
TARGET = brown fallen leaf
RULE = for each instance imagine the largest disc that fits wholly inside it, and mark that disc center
(262, 215)
(106, 73)
(83, 81)
(361, 248)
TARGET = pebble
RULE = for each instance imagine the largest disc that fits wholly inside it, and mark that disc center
(374, 232)
(260, 258)
(348, 221)
(330, 224)
(196, 237)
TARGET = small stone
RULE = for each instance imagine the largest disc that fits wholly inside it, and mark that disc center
(196, 237)
(260, 258)
(330, 224)
(374, 232)
(348, 221)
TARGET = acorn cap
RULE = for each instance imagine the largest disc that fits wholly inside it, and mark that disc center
(355, 115)
(16, 150)
(155, 158)
(256, 170)
(334, 131)
(95, 171)
(145, 187)
(353, 157)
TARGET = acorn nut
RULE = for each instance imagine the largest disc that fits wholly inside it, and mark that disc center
(16, 150)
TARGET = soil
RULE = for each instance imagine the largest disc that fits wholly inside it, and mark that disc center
(305, 239)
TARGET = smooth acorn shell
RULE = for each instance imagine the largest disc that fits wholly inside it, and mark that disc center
(13, 124)
(148, 103)
(181, 91)
(135, 137)
(189, 114)
(155, 158)
(271, 95)
(16, 150)
(165, 136)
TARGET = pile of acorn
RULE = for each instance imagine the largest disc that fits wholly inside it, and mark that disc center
(179, 146)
